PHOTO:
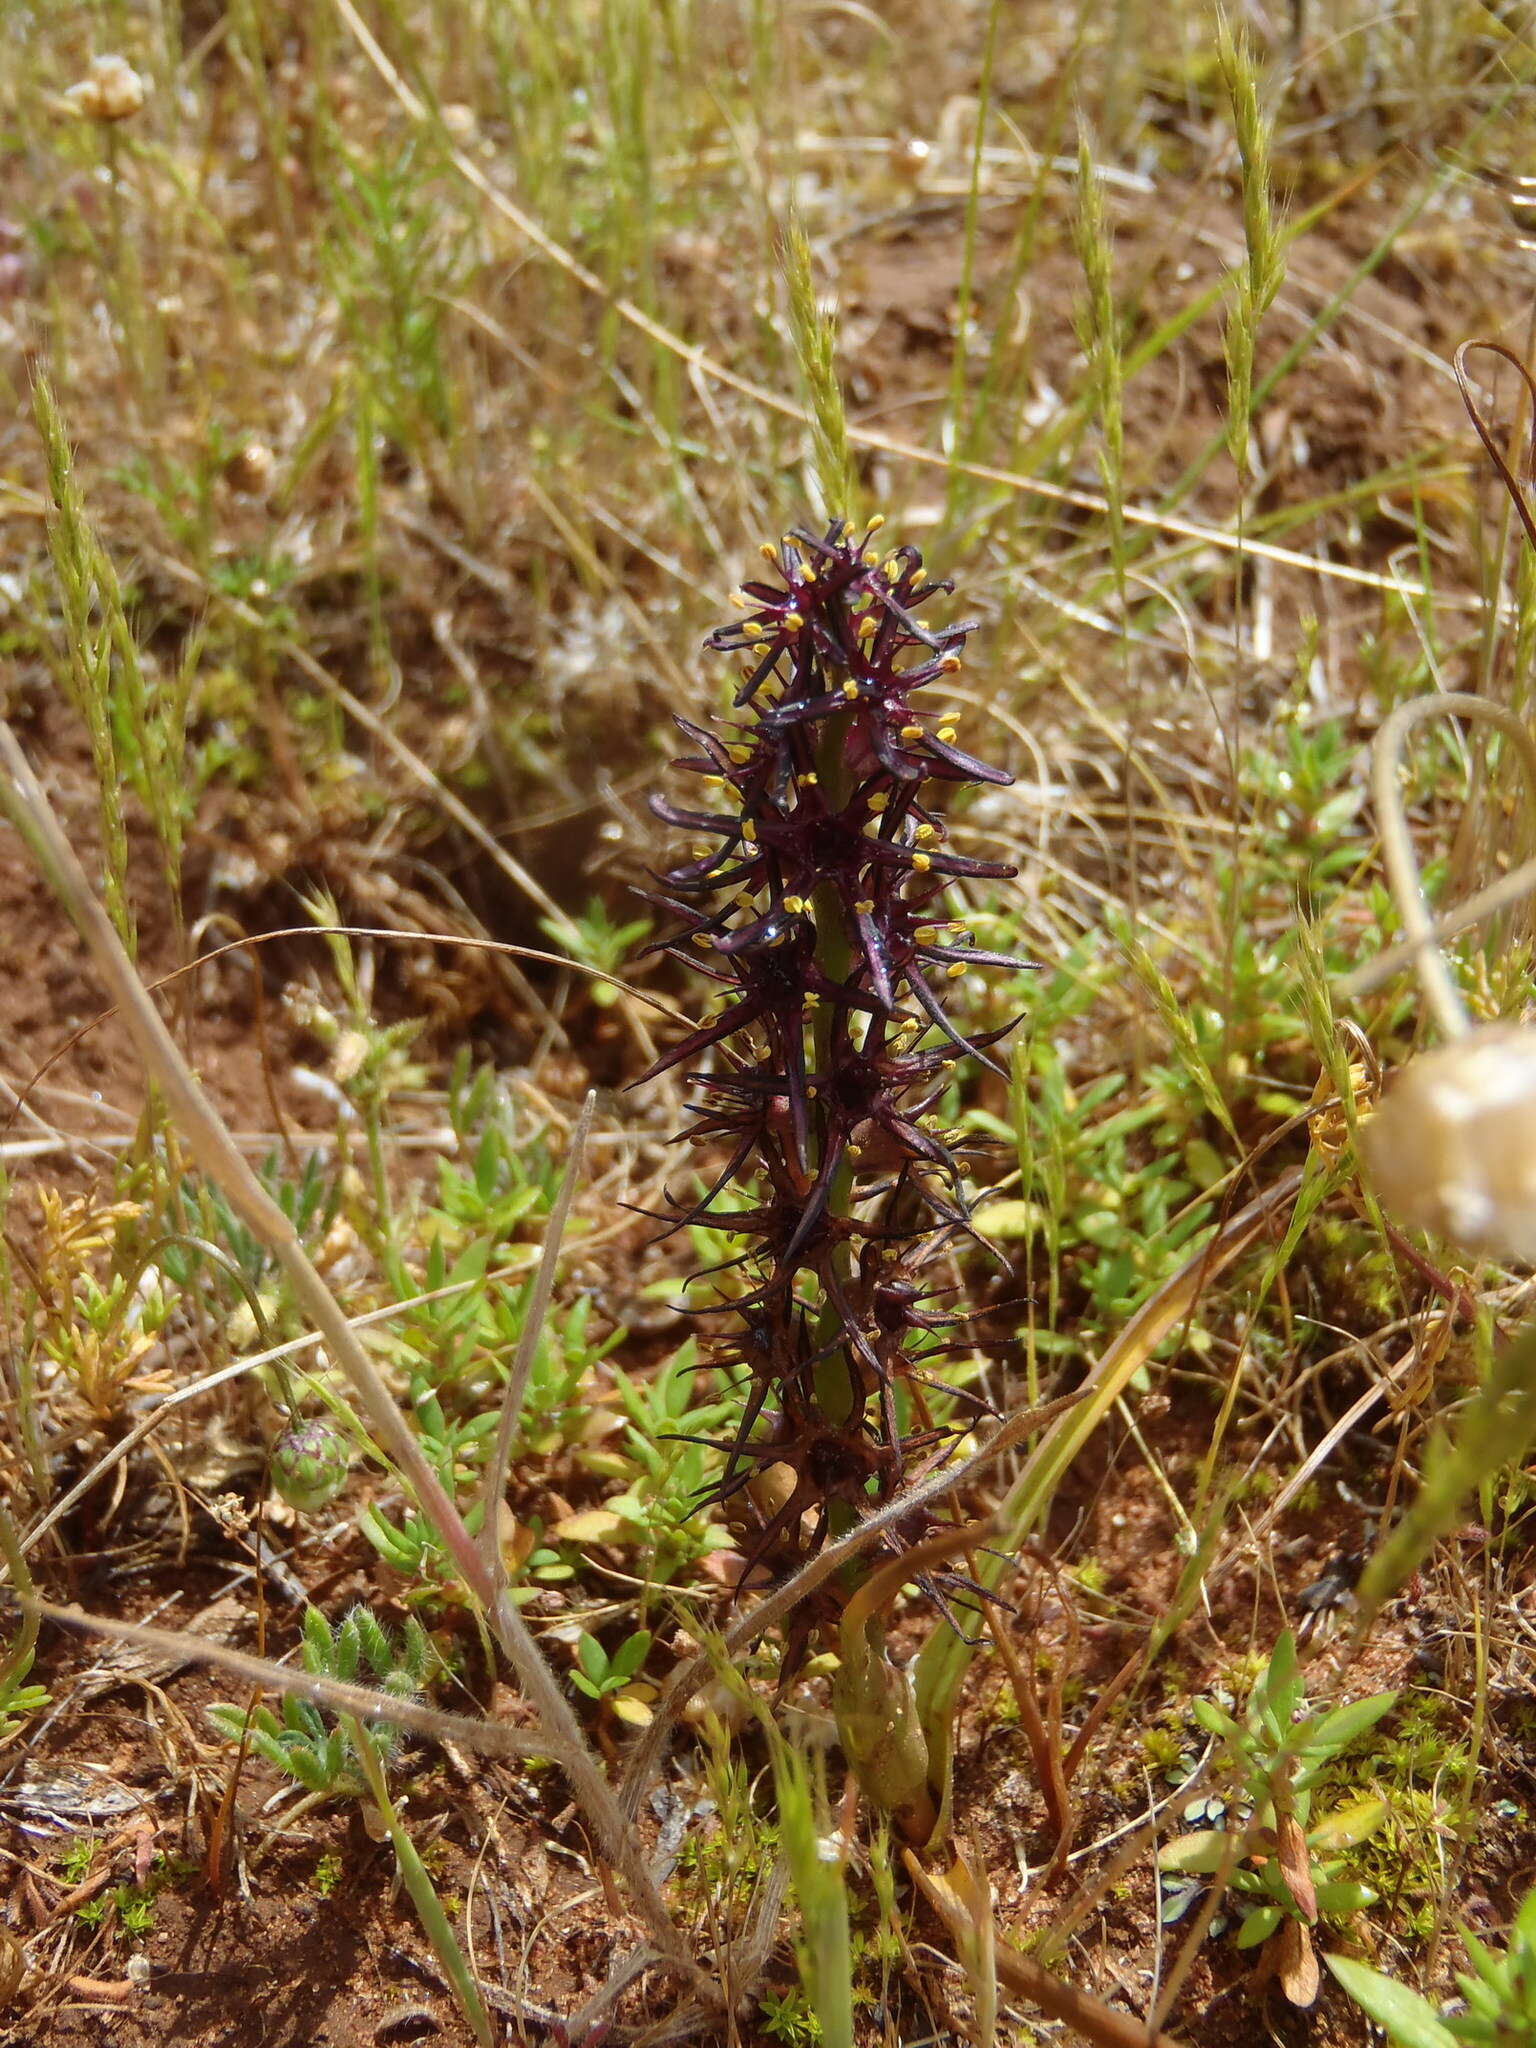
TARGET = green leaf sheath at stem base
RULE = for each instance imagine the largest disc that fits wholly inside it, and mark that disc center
(429, 1907)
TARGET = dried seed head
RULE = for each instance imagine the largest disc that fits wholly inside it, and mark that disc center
(249, 470)
(309, 1465)
(1453, 1147)
(110, 91)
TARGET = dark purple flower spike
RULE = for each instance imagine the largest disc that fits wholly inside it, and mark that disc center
(813, 897)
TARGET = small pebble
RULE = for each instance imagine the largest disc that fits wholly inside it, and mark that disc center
(405, 2023)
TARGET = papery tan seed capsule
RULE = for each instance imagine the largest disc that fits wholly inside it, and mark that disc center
(249, 470)
(110, 91)
(1452, 1148)
(910, 156)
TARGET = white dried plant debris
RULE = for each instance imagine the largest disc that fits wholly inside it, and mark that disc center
(1453, 1147)
(110, 91)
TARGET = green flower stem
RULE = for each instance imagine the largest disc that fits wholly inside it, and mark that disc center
(839, 1383)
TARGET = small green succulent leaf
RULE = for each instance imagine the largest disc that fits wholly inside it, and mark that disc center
(1348, 1826)
(1259, 1926)
(1408, 2020)
(630, 1655)
(1201, 1852)
(1340, 1897)
(1341, 1726)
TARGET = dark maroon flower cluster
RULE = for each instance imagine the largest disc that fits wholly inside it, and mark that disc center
(814, 899)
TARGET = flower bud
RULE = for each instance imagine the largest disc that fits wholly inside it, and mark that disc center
(110, 91)
(309, 1465)
(1452, 1148)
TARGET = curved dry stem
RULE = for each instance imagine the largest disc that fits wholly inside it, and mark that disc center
(1474, 910)
(1086, 2015)
(1495, 453)
(23, 801)
(337, 1696)
(1397, 841)
(277, 1355)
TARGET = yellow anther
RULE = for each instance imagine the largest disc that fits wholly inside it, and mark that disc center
(762, 647)
(702, 939)
(892, 569)
(813, 1091)
(855, 1151)
(769, 552)
(920, 625)
(793, 622)
(740, 755)
(851, 690)
(809, 779)
(911, 732)
(867, 627)
(812, 999)
(947, 734)
(795, 905)
(876, 521)
(878, 802)
(742, 602)
(869, 558)
(947, 1066)
(926, 831)
(921, 862)
(955, 969)
(926, 934)
(949, 664)
(749, 831)
(865, 908)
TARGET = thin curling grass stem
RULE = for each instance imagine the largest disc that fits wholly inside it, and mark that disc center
(17, 1660)
(23, 802)
(1397, 851)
